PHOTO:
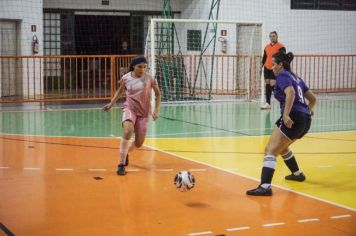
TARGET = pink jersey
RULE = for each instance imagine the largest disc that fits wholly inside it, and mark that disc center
(138, 93)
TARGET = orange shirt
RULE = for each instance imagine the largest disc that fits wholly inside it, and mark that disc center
(270, 50)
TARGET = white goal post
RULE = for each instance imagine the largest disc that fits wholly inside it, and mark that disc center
(191, 62)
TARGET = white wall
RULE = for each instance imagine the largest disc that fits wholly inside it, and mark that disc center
(302, 31)
(27, 13)
(124, 5)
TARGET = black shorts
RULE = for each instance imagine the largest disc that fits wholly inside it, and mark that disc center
(268, 74)
(300, 127)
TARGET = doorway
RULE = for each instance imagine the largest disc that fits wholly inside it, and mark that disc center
(8, 68)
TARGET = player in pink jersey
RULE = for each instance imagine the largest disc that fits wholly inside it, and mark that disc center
(137, 107)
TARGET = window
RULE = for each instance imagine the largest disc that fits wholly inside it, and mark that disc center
(136, 36)
(349, 5)
(303, 4)
(52, 35)
(345, 5)
(52, 43)
(328, 5)
(194, 40)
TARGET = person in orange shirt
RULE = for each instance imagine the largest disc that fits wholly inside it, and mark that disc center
(270, 80)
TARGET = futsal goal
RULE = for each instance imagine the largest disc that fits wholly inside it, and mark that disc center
(196, 60)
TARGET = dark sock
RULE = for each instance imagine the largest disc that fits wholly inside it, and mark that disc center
(268, 93)
(267, 175)
(290, 161)
(292, 164)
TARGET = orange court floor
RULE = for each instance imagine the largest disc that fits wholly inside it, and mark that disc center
(68, 186)
(58, 173)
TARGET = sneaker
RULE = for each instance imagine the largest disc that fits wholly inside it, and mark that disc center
(121, 170)
(127, 160)
(266, 106)
(299, 178)
(259, 191)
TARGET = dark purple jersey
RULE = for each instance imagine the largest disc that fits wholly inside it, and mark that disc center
(285, 79)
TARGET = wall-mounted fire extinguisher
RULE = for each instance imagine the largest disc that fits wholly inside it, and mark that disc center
(35, 45)
(223, 44)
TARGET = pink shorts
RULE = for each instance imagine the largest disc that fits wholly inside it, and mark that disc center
(140, 123)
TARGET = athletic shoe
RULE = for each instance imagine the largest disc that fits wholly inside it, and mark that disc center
(259, 191)
(121, 170)
(299, 178)
(266, 107)
(127, 160)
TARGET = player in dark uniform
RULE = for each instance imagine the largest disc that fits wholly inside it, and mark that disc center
(294, 123)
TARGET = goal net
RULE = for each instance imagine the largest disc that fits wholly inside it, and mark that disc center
(205, 59)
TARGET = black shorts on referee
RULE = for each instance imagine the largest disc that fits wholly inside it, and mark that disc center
(299, 128)
(268, 74)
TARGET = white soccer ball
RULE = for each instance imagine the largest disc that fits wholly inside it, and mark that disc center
(184, 181)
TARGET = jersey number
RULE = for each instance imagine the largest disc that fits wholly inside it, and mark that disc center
(301, 95)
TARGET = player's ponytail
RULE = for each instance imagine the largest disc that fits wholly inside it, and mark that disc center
(290, 57)
(285, 59)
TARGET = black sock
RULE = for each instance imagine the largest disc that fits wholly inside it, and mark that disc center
(290, 161)
(292, 164)
(267, 175)
(268, 93)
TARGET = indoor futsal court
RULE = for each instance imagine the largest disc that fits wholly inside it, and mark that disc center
(58, 175)
(200, 85)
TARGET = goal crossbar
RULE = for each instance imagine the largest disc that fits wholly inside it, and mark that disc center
(153, 39)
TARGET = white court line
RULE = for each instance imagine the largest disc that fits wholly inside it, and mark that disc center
(273, 224)
(308, 220)
(325, 166)
(31, 168)
(56, 136)
(208, 132)
(197, 170)
(340, 216)
(215, 137)
(238, 228)
(96, 169)
(163, 104)
(170, 134)
(200, 233)
(332, 125)
(64, 169)
(49, 109)
(4, 167)
(133, 170)
(116, 107)
(246, 136)
(164, 170)
(254, 179)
